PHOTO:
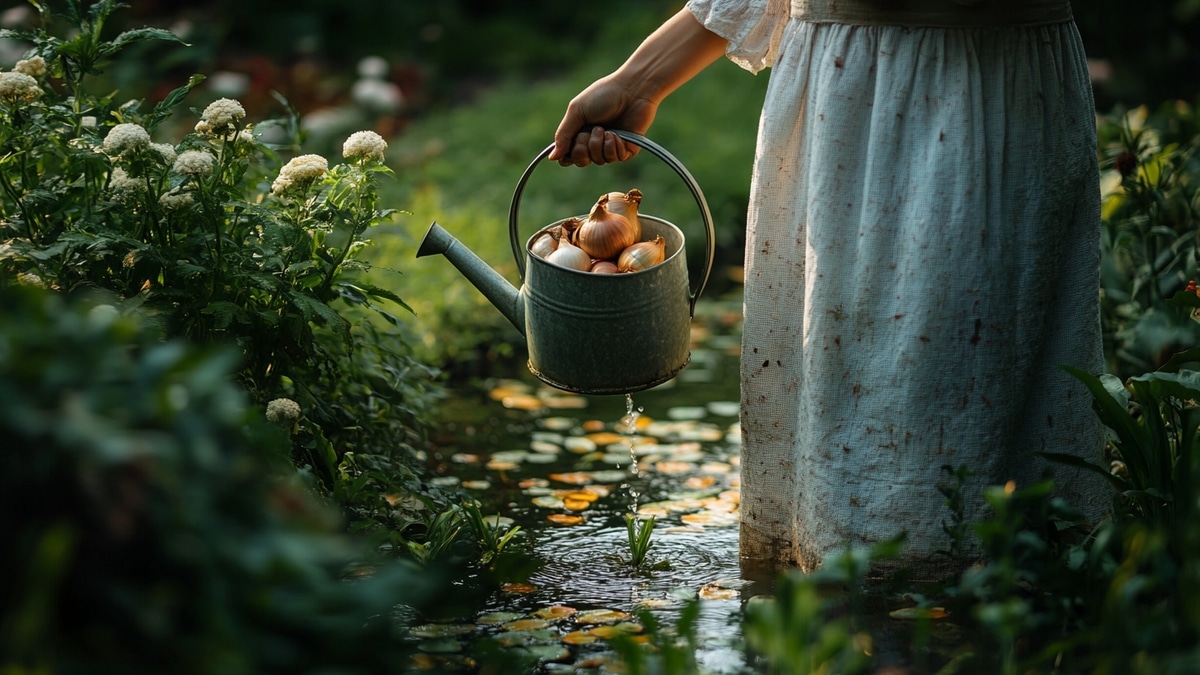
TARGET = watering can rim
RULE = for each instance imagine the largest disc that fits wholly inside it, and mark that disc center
(667, 158)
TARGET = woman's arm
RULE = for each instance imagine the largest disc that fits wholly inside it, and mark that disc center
(629, 97)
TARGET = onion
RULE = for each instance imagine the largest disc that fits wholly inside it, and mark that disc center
(626, 204)
(643, 255)
(570, 256)
(544, 244)
(604, 267)
(605, 234)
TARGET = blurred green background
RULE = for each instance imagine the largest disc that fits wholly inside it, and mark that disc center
(468, 92)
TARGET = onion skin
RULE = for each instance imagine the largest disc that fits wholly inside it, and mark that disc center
(604, 234)
(545, 244)
(643, 255)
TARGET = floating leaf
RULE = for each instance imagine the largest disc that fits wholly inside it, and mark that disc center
(548, 502)
(564, 519)
(603, 438)
(526, 625)
(497, 465)
(526, 638)
(699, 482)
(716, 468)
(674, 468)
(687, 413)
(549, 653)
(522, 402)
(609, 632)
(440, 630)
(545, 447)
(657, 603)
(555, 612)
(609, 476)
(464, 458)
(919, 613)
(509, 456)
(558, 423)
(585, 495)
(477, 485)
(565, 402)
(713, 592)
(579, 444)
(579, 637)
(572, 478)
(598, 616)
(576, 504)
(493, 618)
(518, 587)
(541, 459)
(533, 482)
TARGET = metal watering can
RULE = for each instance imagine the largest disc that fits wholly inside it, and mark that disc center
(594, 333)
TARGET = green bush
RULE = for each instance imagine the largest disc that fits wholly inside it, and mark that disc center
(152, 520)
(218, 240)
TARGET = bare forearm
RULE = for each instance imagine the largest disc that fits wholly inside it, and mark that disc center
(671, 56)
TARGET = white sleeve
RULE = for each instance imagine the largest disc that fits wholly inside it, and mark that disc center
(753, 28)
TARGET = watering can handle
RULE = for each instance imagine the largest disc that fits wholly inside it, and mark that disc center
(654, 149)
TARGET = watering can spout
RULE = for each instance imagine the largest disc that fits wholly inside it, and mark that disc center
(494, 287)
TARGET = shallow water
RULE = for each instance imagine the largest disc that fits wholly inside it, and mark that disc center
(568, 470)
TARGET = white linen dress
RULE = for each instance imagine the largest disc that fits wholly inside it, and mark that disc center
(922, 254)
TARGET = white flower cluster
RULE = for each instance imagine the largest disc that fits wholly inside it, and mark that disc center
(175, 199)
(283, 411)
(165, 150)
(366, 145)
(33, 67)
(124, 138)
(16, 86)
(302, 169)
(220, 116)
(193, 163)
(121, 181)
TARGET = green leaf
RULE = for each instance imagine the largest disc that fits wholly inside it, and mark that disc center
(166, 106)
(137, 35)
(223, 313)
(316, 311)
(1081, 463)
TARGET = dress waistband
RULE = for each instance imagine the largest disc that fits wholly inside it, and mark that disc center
(933, 13)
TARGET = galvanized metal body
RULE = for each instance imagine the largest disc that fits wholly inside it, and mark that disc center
(610, 333)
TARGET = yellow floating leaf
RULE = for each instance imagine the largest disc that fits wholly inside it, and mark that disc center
(674, 468)
(464, 458)
(734, 496)
(602, 438)
(717, 468)
(476, 484)
(501, 465)
(598, 616)
(600, 491)
(593, 425)
(555, 612)
(533, 482)
(526, 625)
(709, 518)
(507, 391)
(585, 495)
(714, 592)
(522, 402)
(572, 478)
(564, 519)
(579, 637)
(565, 402)
(699, 482)
(919, 613)
(576, 504)
(518, 587)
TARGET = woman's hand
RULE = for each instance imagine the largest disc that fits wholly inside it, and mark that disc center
(628, 98)
(582, 139)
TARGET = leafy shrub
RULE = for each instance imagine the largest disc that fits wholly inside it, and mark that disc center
(153, 522)
(219, 241)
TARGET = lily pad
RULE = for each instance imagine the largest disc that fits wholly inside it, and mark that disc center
(564, 519)
(579, 637)
(579, 444)
(440, 630)
(919, 613)
(495, 618)
(558, 423)
(599, 616)
(555, 612)
(526, 625)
